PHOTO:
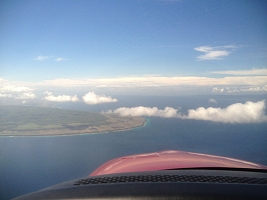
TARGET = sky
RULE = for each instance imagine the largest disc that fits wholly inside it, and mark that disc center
(92, 50)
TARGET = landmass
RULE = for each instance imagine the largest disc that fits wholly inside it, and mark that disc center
(39, 121)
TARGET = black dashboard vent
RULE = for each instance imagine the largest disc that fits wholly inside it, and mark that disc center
(171, 178)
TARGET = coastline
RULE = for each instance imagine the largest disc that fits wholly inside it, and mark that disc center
(118, 126)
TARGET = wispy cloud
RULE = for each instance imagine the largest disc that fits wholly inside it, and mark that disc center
(248, 72)
(91, 98)
(60, 59)
(214, 53)
(43, 58)
(60, 98)
(249, 112)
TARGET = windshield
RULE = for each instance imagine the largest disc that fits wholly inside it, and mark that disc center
(83, 82)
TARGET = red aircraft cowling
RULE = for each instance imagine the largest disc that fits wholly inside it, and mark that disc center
(170, 159)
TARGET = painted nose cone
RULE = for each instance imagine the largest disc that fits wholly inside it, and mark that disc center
(165, 160)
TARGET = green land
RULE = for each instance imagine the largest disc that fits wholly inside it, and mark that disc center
(34, 121)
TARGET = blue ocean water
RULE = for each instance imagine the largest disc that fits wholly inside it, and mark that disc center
(32, 163)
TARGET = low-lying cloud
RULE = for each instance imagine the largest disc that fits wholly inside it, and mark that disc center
(15, 92)
(60, 98)
(168, 112)
(249, 112)
(91, 98)
(247, 89)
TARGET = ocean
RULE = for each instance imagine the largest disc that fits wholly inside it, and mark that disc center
(32, 163)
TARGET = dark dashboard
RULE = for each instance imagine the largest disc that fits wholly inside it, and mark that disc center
(166, 184)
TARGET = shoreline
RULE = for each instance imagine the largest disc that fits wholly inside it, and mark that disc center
(72, 132)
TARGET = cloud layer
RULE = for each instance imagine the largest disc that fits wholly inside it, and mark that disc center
(60, 98)
(242, 72)
(157, 81)
(214, 53)
(91, 98)
(249, 112)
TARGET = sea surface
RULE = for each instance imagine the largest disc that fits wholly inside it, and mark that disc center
(28, 164)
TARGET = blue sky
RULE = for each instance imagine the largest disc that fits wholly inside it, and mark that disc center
(184, 45)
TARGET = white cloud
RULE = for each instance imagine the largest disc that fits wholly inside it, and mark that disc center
(8, 90)
(26, 95)
(168, 112)
(13, 88)
(60, 98)
(92, 98)
(242, 89)
(5, 95)
(255, 89)
(212, 101)
(214, 53)
(215, 89)
(42, 58)
(248, 112)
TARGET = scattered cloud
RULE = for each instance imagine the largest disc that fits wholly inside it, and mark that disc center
(215, 89)
(255, 89)
(212, 101)
(214, 53)
(12, 88)
(240, 89)
(249, 112)
(168, 112)
(242, 72)
(60, 98)
(26, 95)
(91, 98)
(8, 90)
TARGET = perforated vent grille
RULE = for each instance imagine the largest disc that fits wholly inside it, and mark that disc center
(171, 178)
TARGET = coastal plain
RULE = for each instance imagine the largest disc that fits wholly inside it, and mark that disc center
(39, 121)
